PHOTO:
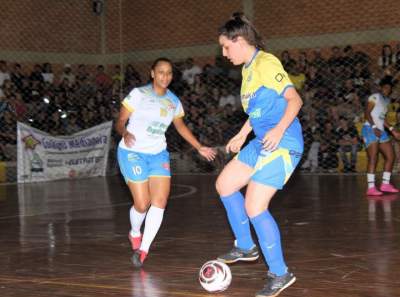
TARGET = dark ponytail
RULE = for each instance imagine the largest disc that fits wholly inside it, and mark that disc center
(239, 25)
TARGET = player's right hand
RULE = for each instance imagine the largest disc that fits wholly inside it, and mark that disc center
(377, 132)
(235, 143)
(129, 139)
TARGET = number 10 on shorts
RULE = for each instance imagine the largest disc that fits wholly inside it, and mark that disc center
(137, 170)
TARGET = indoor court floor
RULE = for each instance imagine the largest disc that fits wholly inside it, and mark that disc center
(69, 238)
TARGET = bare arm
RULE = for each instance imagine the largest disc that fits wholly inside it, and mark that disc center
(236, 142)
(368, 109)
(246, 128)
(273, 137)
(185, 132)
(123, 117)
(292, 109)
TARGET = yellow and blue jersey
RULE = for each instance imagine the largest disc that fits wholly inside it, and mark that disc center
(263, 86)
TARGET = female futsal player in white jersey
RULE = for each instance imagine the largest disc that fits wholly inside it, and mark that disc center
(142, 156)
(377, 139)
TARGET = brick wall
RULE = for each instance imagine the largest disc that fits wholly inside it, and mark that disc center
(69, 26)
(308, 17)
(174, 23)
(49, 26)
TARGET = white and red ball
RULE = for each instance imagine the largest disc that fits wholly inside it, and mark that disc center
(215, 276)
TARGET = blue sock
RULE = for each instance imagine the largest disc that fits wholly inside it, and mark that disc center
(238, 219)
(270, 242)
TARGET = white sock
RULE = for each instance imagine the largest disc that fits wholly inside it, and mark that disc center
(137, 219)
(371, 180)
(386, 177)
(152, 225)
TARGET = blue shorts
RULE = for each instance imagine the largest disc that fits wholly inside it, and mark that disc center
(270, 168)
(138, 167)
(369, 136)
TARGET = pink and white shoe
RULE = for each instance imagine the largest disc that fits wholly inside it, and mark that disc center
(135, 241)
(374, 192)
(138, 258)
(389, 188)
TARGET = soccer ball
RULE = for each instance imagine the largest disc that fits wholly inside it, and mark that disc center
(215, 276)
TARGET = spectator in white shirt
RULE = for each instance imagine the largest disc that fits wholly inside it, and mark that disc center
(190, 71)
(4, 74)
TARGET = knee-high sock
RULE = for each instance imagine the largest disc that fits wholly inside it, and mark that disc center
(136, 219)
(238, 219)
(270, 242)
(152, 225)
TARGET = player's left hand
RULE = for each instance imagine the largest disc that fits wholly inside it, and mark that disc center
(207, 152)
(396, 134)
(272, 139)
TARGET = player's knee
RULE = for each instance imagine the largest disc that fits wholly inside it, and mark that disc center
(221, 186)
(159, 202)
(142, 206)
(252, 210)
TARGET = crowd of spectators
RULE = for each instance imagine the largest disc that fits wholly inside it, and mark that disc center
(334, 88)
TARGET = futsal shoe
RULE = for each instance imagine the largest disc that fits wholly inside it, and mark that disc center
(276, 284)
(237, 254)
(135, 241)
(374, 192)
(389, 188)
(138, 258)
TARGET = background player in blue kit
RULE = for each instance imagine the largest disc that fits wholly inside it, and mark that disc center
(142, 155)
(266, 163)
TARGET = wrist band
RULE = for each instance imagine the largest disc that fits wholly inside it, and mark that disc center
(373, 126)
(391, 128)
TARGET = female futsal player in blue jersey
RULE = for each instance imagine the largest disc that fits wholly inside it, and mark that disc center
(142, 155)
(266, 163)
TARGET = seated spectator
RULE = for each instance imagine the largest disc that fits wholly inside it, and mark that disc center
(286, 59)
(4, 74)
(302, 62)
(47, 73)
(312, 132)
(36, 74)
(298, 79)
(348, 57)
(82, 74)
(361, 77)
(397, 57)
(72, 124)
(19, 107)
(328, 159)
(103, 80)
(67, 74)
(17, 76)
(117, 75)
(348, 141)
(190, 71)
(336, 58)
(8, 89)
(131, 76)
(313, 78)
(199, 87)
(318, 60)
(8, 136)
(387, 58)
(227, 98)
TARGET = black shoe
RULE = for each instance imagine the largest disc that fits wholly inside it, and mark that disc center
(237, 254)
(276, 284)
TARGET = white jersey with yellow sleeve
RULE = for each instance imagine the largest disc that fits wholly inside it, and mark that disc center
(150, 118)
(379, 111)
